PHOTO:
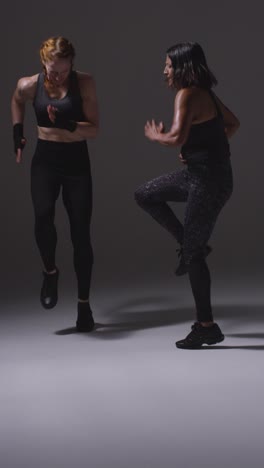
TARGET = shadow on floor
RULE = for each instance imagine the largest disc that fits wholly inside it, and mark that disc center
(246, 347)
(128, 317)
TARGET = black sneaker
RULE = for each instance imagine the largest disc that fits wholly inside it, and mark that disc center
(182, 268)
(201, 335)
(85, 321)
(49, 289)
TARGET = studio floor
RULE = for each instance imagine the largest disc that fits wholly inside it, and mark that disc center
(124, 396)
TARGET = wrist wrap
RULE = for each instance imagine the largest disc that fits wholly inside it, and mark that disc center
(62, 122)
(18, 136)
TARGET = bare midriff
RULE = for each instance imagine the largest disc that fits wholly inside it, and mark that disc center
(58, 134)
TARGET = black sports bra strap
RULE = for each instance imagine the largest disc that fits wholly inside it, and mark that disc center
(74, 83)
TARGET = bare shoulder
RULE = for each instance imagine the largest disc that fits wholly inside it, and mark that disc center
(84, 77)
(185, 96)
(86, 83)
(26, 86)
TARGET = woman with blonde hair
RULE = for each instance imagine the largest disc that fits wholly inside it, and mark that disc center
(66, 110)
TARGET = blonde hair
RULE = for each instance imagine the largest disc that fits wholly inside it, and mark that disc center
(56, 47)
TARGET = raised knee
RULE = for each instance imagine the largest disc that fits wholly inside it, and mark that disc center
(139, 195)
(143, 195)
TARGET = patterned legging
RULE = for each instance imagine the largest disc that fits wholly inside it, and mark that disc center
(206, 189)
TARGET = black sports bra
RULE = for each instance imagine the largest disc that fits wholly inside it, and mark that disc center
(70, 105)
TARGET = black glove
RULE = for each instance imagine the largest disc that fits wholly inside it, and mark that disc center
(18, 136)
(64, 123)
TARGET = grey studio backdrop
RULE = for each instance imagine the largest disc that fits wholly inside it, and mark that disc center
(123, 45)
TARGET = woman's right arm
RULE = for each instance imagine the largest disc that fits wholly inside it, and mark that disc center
(25, 91)
(231, 122)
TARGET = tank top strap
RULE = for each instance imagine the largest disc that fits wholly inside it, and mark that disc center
(74, 84)
(39, 86)
(219, 113)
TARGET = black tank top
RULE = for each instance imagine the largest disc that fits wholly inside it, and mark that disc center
(207, 142)
(70, 105)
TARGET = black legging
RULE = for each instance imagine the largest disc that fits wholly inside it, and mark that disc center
(206, 189)
(63, 165)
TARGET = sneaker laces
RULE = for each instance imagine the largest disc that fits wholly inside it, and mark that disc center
(197, 331)
(194, 333)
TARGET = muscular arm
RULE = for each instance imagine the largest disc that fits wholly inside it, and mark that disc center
(182, 120)
(18, 105)
(89, 128)
(24, 92)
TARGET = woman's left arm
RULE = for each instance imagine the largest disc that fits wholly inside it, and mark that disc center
(182, 120)
(89, 128)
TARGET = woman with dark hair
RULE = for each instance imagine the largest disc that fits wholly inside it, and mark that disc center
(201, 126)
(66, 110)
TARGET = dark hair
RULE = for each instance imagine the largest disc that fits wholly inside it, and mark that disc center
(190, 66)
